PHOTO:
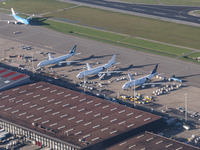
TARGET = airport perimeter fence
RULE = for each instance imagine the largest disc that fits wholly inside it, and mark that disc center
(41, 77)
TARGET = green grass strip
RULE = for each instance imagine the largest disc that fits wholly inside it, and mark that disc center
(115, 39)
(192, 57)
(167, 32)
(34, 6)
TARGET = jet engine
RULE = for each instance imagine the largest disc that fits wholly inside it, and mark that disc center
(99, 74)
(109, 74)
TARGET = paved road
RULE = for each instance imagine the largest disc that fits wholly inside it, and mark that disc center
(170, 12)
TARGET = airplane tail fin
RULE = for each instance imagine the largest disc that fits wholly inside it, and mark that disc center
(50, 56)
(131, 77)
(13, 12)
(112, 60)
(88, 66)
(73, 49)
(155, 69)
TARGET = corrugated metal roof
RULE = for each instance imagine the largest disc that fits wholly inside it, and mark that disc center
(9, 78)
(151, 141)
(70, 114)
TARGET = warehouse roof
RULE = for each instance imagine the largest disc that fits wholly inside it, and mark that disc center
(151, 141)
(9, 78)
(74, 116)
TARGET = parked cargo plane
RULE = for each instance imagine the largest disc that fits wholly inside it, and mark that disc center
(19, 19)
(141, 81)
(101, 70)
(58, 60)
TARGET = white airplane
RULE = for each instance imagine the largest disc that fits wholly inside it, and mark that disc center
(141, 81)
(101, 70)
(58, 60)
(19, 19)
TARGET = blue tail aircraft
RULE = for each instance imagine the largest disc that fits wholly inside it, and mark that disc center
(20, 19)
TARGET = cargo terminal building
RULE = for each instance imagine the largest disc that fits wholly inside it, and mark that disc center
(63, 119)
(151, 141)
(10, 79)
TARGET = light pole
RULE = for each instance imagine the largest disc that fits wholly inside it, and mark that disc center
(134, 95)
(186, 107)
(84, 80)
(32, 65)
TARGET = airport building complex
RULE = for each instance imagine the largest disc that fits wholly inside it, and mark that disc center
(152, 141)
(59, 118)
(10, 79)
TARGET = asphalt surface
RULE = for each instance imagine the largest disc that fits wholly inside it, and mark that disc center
(58, 42)
(161, 11)
(141, 62)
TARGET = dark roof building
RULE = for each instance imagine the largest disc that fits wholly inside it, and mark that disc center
(10, 79)
(151, 141)
(70, 119)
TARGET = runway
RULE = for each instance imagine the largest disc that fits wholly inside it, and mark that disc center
(61, 43)
(179, 13)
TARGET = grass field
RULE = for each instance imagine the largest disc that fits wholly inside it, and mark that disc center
(192, 57)
(173, 33)
(116, 22)
(35, 6)
(196, 12)
(166, 2)
(116, 39)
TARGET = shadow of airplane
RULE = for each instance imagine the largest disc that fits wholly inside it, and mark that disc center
(39, 21)
(141, 66)
(92, 56)
(126, 68)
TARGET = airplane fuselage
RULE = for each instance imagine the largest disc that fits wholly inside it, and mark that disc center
(54, 60)
(93, 71)
(22, 20)
(137, 82)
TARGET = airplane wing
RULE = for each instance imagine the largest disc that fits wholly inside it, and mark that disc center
(157, 83)
(63, 62)
(30, 17)
(110, 72)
